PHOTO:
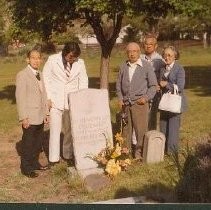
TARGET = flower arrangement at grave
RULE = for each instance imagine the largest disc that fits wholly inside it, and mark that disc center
(113, 159)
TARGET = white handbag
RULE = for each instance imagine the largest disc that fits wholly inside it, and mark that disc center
(171, 102)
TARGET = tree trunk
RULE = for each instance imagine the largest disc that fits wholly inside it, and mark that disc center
(208, 38)
(106, 36)
(104, 72)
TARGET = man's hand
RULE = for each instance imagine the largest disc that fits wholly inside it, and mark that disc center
(25, 123)
(47, 119)
(49, 104)
(121, 104)
(141, 101)
(163, 83)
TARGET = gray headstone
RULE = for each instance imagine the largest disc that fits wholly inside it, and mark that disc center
(154, 145)
(90, 126)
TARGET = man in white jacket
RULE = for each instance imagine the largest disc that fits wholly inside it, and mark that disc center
(63, 73)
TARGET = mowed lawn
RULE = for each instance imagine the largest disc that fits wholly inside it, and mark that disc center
(156, 181)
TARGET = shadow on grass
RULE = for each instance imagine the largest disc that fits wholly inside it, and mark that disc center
(152, 193)
(202, 91)
(8, 93)
(199, 76)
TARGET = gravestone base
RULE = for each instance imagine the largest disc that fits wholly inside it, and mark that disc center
(94, 179)
(96, 182)
(86, 172)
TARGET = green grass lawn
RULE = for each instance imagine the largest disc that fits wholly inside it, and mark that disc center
(152, 180)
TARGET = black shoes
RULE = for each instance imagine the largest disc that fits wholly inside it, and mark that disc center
(31, 174)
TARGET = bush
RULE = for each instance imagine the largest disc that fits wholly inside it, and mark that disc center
(195, 184)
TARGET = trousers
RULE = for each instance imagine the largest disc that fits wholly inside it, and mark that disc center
(137, 120)
(169, 125)
(60, 122)
(31, 147)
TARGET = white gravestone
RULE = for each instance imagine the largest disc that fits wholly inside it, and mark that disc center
(90, 126)
(154, 145)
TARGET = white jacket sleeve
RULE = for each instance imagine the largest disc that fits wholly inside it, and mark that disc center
(83, 78)
(47, 76)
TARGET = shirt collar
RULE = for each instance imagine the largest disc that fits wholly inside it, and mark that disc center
(33, 70)
(171, 65)
(138, 62)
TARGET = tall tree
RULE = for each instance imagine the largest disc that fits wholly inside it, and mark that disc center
(105, 17)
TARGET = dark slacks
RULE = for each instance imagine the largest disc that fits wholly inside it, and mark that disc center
(169, 125)
(31, 147)
(137, 119)
(153, 113)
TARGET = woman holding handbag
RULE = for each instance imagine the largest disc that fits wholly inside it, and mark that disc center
(173, 74)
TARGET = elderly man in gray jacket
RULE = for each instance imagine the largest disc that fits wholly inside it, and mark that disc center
(136, 85)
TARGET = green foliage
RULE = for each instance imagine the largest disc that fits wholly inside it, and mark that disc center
(43, 17)
(103, 7)
(14, 32)
(61, 38)
(132, 35)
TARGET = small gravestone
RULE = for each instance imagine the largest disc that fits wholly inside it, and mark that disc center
(90, 126)
(154, 145)
(95, 182)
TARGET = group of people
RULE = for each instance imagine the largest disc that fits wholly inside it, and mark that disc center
(42, 97)
(141, 82)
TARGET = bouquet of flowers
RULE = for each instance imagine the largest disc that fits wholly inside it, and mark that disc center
(113, 159)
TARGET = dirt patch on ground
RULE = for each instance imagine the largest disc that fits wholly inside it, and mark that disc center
(50, 186)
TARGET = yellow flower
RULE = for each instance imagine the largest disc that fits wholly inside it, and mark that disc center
(128, 161)
(117, 151)
(113, 168)
(119, 138)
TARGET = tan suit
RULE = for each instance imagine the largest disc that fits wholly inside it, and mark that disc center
(30, 97)
(31, 103)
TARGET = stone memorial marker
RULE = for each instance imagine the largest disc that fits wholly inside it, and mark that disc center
(154, 145)
(90, 125)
